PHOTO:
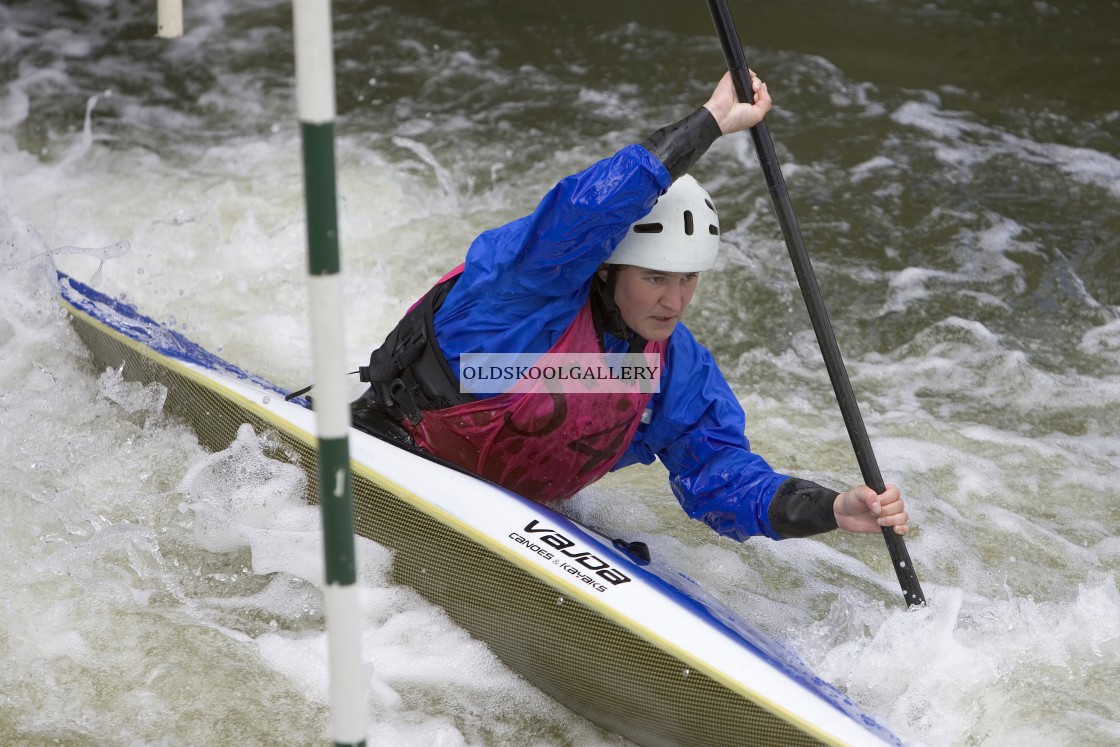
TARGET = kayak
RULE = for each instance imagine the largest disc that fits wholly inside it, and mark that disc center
(612, 634)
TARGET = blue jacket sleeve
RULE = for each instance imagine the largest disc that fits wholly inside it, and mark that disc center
(697, 430)
(575, 227)
(524, 282)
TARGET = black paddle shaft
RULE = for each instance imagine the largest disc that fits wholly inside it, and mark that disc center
(803, 268)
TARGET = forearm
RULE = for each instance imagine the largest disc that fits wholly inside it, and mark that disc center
(730, 493)
(679, 146)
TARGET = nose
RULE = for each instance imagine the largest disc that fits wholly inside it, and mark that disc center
(673, 297)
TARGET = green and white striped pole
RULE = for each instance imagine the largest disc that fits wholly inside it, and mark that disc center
(315, 92)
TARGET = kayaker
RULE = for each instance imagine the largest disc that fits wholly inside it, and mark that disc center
(608, 262)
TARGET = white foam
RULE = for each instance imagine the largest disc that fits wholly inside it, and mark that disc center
(958, 666)
(963, 142)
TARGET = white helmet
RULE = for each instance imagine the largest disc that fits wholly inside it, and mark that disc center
(680, 233)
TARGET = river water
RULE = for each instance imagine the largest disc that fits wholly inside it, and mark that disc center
(955, 168)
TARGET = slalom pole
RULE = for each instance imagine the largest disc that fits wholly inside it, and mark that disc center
(314, 57)
(169, 18)
(818, 314)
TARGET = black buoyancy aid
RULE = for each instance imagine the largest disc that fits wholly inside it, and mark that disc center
(408, 374)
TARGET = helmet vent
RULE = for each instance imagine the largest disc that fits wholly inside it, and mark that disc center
(649, 228)
(689, 228)
(713, 229)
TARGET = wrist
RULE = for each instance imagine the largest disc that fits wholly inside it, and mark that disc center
(801, 508)
(680, 145)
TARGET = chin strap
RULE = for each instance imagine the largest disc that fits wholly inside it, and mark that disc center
(607, 316)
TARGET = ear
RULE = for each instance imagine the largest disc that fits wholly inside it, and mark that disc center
(602, 272)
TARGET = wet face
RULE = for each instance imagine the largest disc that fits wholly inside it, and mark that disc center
(652, 301)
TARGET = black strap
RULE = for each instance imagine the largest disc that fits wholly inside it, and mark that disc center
(607, 317)
(306, 389)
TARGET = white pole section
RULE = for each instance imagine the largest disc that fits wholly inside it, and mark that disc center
(315, 92)
(170, 18)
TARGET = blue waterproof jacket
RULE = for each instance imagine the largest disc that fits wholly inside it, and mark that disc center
(522, 286)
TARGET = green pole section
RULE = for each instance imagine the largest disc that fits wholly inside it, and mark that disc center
(338, 510)
(319, 189)
(315, 89)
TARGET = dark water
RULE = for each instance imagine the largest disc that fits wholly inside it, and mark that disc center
(955, 170)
